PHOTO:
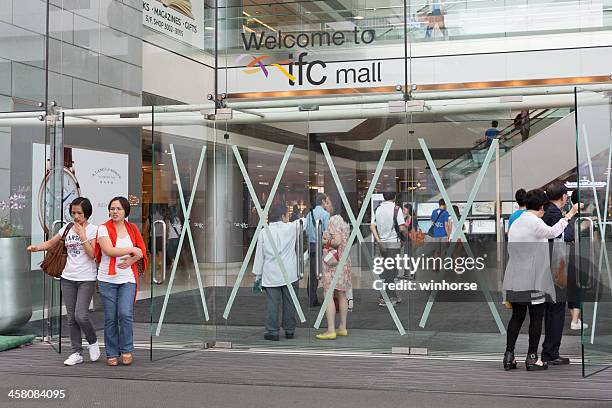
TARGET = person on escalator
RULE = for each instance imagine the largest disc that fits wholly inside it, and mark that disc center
(521, 123)
(491, 133)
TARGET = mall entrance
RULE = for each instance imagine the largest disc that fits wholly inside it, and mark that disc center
(208, 183)
(203, 178)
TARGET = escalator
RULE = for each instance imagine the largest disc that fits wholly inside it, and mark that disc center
(548, 153)
(471, 160)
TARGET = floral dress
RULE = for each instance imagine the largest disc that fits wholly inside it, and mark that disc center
(337, 227)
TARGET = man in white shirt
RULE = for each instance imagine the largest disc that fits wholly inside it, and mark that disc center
(386, 226)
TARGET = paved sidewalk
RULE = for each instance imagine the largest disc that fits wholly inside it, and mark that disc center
(216, 378)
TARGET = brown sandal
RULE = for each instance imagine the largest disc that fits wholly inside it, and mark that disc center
(112, 361)
(127, 358)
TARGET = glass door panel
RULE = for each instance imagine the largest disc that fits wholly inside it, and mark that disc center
(590, 288)
(261, 167)
(356, 162)
(55, 215)
(452, 161)
(178, 170)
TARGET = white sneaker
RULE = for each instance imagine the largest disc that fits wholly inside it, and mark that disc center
(75, 358)
(94, 351)
(576, 325)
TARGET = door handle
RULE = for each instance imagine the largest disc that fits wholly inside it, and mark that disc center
(163, 224)
(300, 248)
(589, 273)
(54, 224)
(319, 249)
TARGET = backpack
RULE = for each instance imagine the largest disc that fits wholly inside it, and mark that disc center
(401, 237)
(396, 227)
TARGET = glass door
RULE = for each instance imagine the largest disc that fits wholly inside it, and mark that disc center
(55, 193)
(261, 169)
(590, 288)
(178, 187)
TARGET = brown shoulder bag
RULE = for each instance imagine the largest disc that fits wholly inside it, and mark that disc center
(55, 259)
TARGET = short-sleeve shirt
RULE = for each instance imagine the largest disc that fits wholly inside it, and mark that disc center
(318, 213)
(439, 227)
(383, 218)
(79, 266)
(122, 275)
(514, 217)
(491, 134)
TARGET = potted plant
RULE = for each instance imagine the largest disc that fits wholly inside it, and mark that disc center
(15, 290)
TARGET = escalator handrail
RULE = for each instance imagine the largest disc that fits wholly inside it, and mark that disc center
(504, 137)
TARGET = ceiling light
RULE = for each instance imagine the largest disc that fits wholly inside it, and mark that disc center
(259, 166)
(209, 28)
(358, 17)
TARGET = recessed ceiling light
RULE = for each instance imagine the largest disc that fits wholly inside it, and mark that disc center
(358, 17)
(209, 28)
(259, 166)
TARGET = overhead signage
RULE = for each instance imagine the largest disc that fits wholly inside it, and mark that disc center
(182, 20)
(300, 68)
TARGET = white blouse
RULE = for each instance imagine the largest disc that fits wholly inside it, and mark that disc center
(528, 266)
(284, 235)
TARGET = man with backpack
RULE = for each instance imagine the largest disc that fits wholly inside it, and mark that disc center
(387, 228)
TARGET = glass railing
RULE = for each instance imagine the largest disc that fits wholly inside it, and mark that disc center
(424, 20)
(472, 159)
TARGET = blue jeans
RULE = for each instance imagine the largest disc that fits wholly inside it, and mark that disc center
(118, 301)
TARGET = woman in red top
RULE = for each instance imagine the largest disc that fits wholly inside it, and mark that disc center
(119, 249)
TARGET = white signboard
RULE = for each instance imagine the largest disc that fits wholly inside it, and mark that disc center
(182, 20)
(102, 176)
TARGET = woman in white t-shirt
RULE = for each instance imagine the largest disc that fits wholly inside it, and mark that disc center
(78, 280)
(120, 248)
